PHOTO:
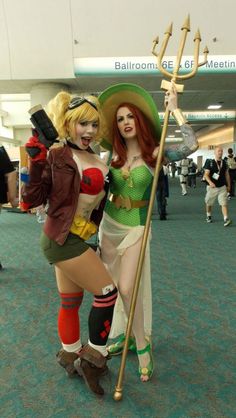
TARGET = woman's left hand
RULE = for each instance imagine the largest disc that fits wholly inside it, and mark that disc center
(171, 101)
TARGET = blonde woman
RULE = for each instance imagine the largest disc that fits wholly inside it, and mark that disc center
(71, 180)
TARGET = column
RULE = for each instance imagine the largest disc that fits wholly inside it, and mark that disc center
(42, 93)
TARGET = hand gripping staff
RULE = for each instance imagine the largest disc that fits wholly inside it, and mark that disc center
(164, 85)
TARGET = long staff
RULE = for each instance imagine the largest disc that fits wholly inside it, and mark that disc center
(165, 85)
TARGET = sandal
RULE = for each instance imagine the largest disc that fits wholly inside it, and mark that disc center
(117, 348)
(148, 370)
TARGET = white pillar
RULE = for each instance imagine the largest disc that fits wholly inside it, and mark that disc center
(42, 93)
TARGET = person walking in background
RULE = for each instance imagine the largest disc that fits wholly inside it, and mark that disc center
(183, 174)
(192, 173)
(162, 192)
(217, 177)
(231, 164)
(7, 181)
(173, 168)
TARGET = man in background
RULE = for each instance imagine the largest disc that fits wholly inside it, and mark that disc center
(218, 184)
(7, 181)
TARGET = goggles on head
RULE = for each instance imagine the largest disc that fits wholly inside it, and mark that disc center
(78, 101)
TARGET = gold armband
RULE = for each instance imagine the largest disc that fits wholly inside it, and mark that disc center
(179, 117)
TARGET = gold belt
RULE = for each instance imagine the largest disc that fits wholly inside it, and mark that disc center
(85, 229)
(127, 203)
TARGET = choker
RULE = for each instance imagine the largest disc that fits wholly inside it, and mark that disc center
(74, 146)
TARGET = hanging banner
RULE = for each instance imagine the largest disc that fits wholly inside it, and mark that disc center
(112, 66)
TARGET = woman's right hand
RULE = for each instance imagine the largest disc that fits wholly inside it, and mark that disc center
(155, 152)
(35, 149)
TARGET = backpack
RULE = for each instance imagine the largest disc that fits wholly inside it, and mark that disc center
(231, 162)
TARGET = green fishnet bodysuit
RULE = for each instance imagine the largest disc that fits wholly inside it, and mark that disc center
(137, 187)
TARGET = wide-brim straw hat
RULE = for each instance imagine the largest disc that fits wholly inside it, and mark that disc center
(111, 98)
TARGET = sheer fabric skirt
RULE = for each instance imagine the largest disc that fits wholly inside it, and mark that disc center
(123, 237)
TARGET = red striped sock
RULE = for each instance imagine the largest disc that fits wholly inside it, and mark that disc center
(68, 317)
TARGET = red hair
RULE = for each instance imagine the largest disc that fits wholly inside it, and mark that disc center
(145, 137)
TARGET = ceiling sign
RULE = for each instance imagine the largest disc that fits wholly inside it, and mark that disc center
(105, 66)
(216, 115)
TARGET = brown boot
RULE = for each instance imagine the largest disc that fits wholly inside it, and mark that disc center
(91, 365)
(66, 360)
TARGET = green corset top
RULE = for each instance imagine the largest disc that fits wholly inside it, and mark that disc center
(136, 187)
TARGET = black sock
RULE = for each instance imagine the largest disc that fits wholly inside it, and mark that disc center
(100, 317)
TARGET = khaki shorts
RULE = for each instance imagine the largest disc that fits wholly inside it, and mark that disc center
(74, 246)
(216, 192)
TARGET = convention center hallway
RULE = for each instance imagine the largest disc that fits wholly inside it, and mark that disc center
(194, 323)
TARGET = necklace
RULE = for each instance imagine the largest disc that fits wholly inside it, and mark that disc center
(125, 170)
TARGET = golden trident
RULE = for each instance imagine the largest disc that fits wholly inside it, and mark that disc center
(165, 85)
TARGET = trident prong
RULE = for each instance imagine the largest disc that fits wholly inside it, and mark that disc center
(205, 52)
(168, 34)
(185, 29)
(155, 43)
(197, 40)
(175, 75)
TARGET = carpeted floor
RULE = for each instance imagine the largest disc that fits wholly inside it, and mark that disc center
(194, 311)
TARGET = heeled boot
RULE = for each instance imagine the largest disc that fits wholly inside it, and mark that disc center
(66, 360)
(91, 365)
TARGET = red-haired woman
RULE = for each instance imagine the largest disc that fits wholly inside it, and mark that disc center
(134, 130)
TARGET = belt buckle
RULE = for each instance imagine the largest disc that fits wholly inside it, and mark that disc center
(127, 203)
(123, 202)
(117, 202)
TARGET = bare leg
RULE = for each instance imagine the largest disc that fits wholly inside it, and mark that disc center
(224, 210)
(64, 284)
(126, 282)
(208, 209)
(108, 255)
(108, 251)
(85, 272)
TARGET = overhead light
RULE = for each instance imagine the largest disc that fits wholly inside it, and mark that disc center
(168, 139)
(214, 107)
(171, 136)
(177, 130)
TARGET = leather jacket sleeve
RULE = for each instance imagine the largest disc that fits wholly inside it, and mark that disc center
(37, 190)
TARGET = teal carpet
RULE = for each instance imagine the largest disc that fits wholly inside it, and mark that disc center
(194, 315)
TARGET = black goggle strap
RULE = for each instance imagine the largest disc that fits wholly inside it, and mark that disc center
(78, 101)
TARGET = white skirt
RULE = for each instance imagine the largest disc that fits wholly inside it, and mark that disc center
(122, 237)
